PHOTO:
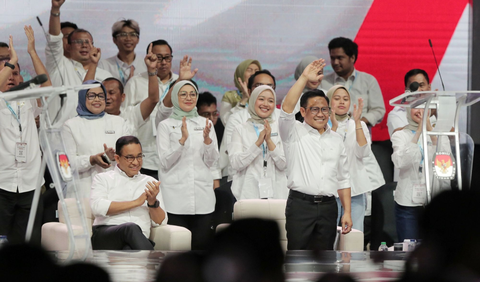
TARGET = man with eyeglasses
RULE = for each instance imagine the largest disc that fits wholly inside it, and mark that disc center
(126, 203)
(124, 65)
(136, 91)
(68, 71)
(316, 167)
(207, 107)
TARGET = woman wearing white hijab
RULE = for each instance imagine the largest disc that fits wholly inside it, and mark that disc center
(256, 151)
(356, 139)
(187, 147)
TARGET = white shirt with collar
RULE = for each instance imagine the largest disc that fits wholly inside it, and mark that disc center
(115, 185)
(14, 174)
(185, 171)
(121, 70)
(134, 116)
(136, 91)
(84, 137)
(72, 73)
(360, 85)
(316, 163)
(246, 159)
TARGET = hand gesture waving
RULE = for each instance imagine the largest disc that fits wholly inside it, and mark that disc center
(13, 54)
(314, 71)
(357, 110)
(185, 72)
(151, 60)
(31, 39)
(184, 131)
(206, 133)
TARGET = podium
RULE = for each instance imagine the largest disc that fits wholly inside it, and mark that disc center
(457, 165)
(51, 143)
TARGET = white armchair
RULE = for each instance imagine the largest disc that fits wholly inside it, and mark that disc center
(55, 234)
(274, 209)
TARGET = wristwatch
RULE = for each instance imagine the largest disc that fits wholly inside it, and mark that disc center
(152, 73)
(7, 64)
(156, 205)
(241, 105)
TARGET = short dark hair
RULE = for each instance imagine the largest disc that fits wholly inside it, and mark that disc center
(349, 47)
(264, 71)
(310, 94)
(78, 30)
(414, 72)
(68, 24)
(206, 99)
(3, 44)
(160, 42)
(123, 141)
(120, 84)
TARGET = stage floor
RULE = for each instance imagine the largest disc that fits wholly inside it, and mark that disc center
(299, 265)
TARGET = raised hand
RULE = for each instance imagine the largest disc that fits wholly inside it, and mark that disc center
(151, 60)
(31, 39)
(110, 152)
(184, 132)
(185, 71)
(357, 111)
(153, 188)
(245, 93)
(206, 133)
(56, 4)
(95, 54)
(314, 71)
(334, 121)
(13, 53)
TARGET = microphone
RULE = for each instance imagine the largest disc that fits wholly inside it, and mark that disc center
(36, 80)
(436, 63)
(414, 86)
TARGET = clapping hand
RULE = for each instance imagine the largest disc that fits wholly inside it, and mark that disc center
(245, 93)
(357, 111)
(184, 131)
(206, 133)
(31, 39)
(334, 120)
(153, 188)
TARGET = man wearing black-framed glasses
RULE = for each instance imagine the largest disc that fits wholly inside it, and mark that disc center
(125, 202)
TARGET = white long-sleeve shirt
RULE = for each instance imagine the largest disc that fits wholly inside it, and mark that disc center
(356, 155)
(115, 185)
(407, 157)
(84, 137)
(246, 159)
(72, 73)
(15, 174)
(136, 91)
(121, 70)
(185, 171)
(316, 163)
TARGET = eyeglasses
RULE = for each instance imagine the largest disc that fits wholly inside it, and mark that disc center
(92, 96)
(184, 94)
(130, 159)
(260, 84)
(80, 42)
(167, 59)
(126, 34)
(210, 114)
(316, 110)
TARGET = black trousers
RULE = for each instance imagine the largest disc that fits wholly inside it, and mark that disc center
(14, 214)
(310, 226)
(127, 236)
(201, 226)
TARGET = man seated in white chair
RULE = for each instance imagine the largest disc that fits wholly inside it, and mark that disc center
(125, 202)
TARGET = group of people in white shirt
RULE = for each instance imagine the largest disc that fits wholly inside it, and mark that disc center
(323, 166)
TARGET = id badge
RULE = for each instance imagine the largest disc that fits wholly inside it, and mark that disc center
(265, 188)
(21, 152)
(419, 195)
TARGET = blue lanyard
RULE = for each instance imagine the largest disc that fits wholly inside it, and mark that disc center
(120, 71)
(258, 134)
(17, 117)
(165, 92)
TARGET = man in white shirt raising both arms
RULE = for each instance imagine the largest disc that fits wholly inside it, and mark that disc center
(125, 202)
(316, 167)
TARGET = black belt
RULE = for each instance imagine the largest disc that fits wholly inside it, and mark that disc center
(311, 198)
